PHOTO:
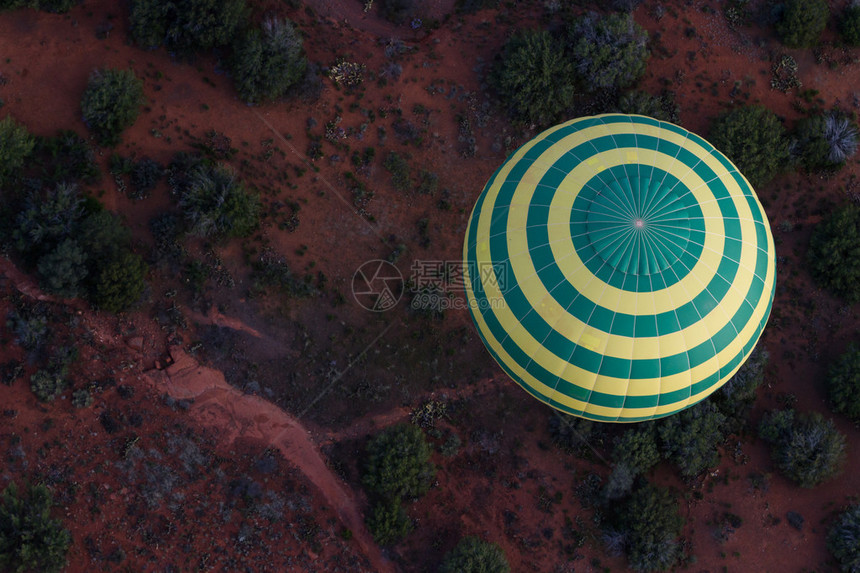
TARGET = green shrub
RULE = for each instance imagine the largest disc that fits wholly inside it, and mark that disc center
(46, 219)
(574, 434)
(849, 24)
(29, 326)
(843, 539)
(216, 203)
(534, 77)
(691, 438)
(825, 141)
(62, 270)
(388, 522)
(120, 282)
(47, 384)
(637, 448)
(16, 143)
(834, 252)
(662, 107)
(397, 11)
(397, 464)
(736, 397)
(65, 158)
(268, 61)
(474, 555)
(111, 103)
(754, 139)
(30, 539)
(646, 527)
(186, 26)
(401, 173)
(82, 398)
(807, 448)
(608, 52)
(843, 383)
(802, 22)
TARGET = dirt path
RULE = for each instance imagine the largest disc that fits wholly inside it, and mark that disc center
(236, 415)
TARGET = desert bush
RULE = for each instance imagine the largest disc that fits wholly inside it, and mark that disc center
(47, 384)
(843, 383)
(57, 6)
(120, 282)
(474, 555)
(47, 218)
(216, 204)
(82, 398)
(398, 463)
(388, 522)
(608, 52)
(825, 141)
(637, 448)
(534, 77)
(401, 173)
(802, 22)
(849, 24)
(834, 252)
(186, 26)
(662, 107)
(691, 438)
(807, 448)
(397, 11)
(268, 61)
(843, 539)
(65, 158)
(620, 481)
(62, 270)
(144, 176)
(735, 398)
(646, 526)
(29, 326)
(111, 103)
(754, 139)
(30, 539)
(16, 143)
(573, 434)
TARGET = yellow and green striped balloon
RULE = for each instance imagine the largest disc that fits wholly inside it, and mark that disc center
(619, 268)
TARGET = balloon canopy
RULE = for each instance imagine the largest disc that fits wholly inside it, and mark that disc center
(619, 268)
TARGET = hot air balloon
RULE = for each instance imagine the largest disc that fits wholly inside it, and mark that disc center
(619, 268)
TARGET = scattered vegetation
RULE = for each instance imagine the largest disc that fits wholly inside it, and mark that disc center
(843, 383)
(754, 139)
(807, 448)
(268, 61)
(30, 539)
(609, 52)
(834, 252)
(474, 555)
(186, 26)
(802, 22)
(533, 77)
(843, 539)
(111, 103)
(16, 143)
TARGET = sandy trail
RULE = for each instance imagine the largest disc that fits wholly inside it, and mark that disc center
(236, 415)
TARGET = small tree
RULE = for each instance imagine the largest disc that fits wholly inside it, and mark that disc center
(843, 539)
(397, 11)
(120, 282)
(834, 252)
(662, 107)
(186, 26)
(802, 22)
(735, 398)
(16, 143)
(807, 448)
(111, 103)
(216, 203)
(849, 24)
(609, 52)
(269, 61)
(825, 141)
(754, 139)
(474, 555)
(646, 525)
(398, 463)
(843, 383)
(30, 539)
(388, 522)
(62, 270)
(692, 437)
(533, 77)
(46, 219)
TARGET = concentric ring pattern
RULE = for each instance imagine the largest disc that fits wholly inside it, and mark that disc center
(619, 268)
